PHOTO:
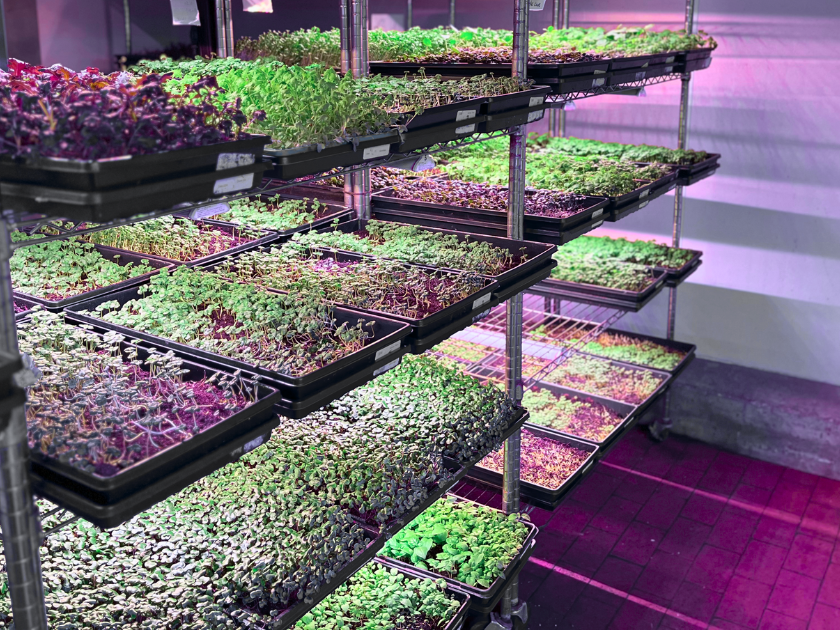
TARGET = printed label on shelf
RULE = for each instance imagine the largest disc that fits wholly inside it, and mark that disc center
(232, 184)
(227, 161)
(670, 59)
(596, 225)
(640, 76)
(644, 193)
(376, 152)
(644, 205)
(597, 213)
(465, 129)
(481, 316)
(659, 284)
(599, 82)
(386, 367)
(250, 446)
(536, 100)
(464, 114)
(481, 301)
(384, 352)
(669, 69)
(599, 72)
(645, 64)
(536, 5)
(707, 63)
(209, 211)
(536, 115)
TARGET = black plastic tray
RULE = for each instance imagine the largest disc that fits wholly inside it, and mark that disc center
(526, 282)
(605, 295)
(389, 339)
(692, 169)
(412, 140)
(506, 120)
(119, 256)
(539, 254)
(289, 164)
(482, 600)
(111, 490)
(590, 207)
(516, 101)
(119, 203)
(108, 516)
(94, 175)
(468, 308)
(265, 237)
(693, 178)
(324, 218)
(686, 270)
(324, 194)
(628, 75)
(656, 191)
(583, 83)
(547, 498)
(642, 61)
(29, 304)
(672, 281)
(462, 112)
(688, 348)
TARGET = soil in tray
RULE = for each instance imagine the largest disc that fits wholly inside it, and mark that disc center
(275, 213)
(578, 416)
(100, 412)
(602, 378)
(413, 244)
(640, 252)
(544, 462)
(595, 271)
(543, 203)
(381, 177)
(292, 335)
(629, 349)
(460, 540)
(62, 269)
(381, 285)
(173, 238)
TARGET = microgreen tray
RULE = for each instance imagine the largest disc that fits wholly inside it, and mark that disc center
(642, 61)
(516, 101)
(506, 120)
(630, 75)
(388, 342)
(482, 600)
(688, 349)
(325, 217)
(263, 237)
(463, 112)
(583, 83)
(540, 496)
(696, 176)
(119, 256)
(675, 281)
(656, 190)
(23, 302)
(131, 170)
(412, 139)
(538, 254)
(135, 478)
(327, 194)
(119, 203)
(290, 164)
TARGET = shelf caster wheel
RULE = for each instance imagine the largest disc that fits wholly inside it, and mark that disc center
(658, 432)
(518, 619)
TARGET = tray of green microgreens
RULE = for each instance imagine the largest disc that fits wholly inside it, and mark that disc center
(507, 261)
(107, 417)
(475, 548)
(331, 189)
(57, 274)
(282, 214)
(426, 298)
(182, 241)
(298, 343)
(666, 355)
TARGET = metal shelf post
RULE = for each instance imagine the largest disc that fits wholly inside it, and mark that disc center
(559, 19)
(358, 41)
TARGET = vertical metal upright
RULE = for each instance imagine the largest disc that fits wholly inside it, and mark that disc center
(221, 29)
(559, 19)
(409, 14)
(19, 519)
(452, 13)
(359, 67)
(346, 33)
(510, 605)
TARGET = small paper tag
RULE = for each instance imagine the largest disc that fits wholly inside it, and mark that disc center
(209, 211)
(644, 193)
(599, 72)
(643, 204)
(535, 115)
(234, 160)
(386, 367)
(597, 213)
(596, 225)
(232, 184)
(536, 5)
(250, 446)
(599, 82)
(708, 62)
(536, 100)
(670, 59)
(640, 76)
(645, 64)
(465, 129)
(464, 114)
(384, 352)
(481, 301)
(376, 152)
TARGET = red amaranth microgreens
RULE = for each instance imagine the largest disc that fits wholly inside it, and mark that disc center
(603, 378)
(547, 463)
(544, 203)
(582, 417)
(97, 410)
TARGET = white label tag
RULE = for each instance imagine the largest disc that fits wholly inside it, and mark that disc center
(227, 161)
(643, 205)
(641, 75)
(384, 352)
(535, 115)
(376, 152)
(481, 301)
(644, 193)
(232, 184)
(465, 114)
(645, 64)
(386, 367)
(250, 446)
(481, 316)
(536, 100)
(670, 59)
(707, 63)
(597, 213)
(596, 225)
(599, 72)
(209, 211)
(536, 5)
(599, 82)
(465, 129)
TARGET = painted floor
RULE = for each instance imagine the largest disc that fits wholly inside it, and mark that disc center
(681, 535)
